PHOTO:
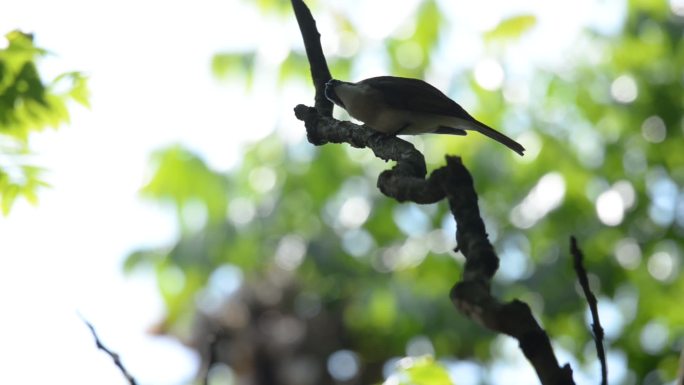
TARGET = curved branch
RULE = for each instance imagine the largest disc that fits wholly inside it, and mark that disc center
(407, 181)
(404, 182)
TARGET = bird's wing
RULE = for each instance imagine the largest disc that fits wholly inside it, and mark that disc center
(450, 131)
(415, 95)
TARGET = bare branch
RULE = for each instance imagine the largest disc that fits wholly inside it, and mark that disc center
(314, 52)
(115, 357)
(596, 328)
(472, 294)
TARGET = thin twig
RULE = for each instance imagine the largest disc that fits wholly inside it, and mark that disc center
(596, 328)
(115, 357)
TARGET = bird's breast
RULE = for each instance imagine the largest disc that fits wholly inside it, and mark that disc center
(363, 109)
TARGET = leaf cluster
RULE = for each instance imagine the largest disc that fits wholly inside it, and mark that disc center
(28, 104)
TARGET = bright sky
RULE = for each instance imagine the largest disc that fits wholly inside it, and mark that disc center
(149, 64)
(152, 85)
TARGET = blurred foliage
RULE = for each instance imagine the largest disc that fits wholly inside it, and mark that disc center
(423, 370)
(28, 104)
(605, 162)
(511, 28)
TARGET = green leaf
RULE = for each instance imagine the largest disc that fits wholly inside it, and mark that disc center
(7, 196)
(29, 104)
(142, 258)
(295, 66)
(79, 91)
(511, 28)
(429, 21)
(382, 308)
(231, 64)
(280, 7)
(183, 178)
(424, 371)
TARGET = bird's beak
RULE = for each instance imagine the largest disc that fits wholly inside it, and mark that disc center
(330, 92)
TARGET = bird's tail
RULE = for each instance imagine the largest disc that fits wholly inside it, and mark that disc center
(501, 138)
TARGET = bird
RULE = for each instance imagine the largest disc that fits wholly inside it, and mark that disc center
(405, 106)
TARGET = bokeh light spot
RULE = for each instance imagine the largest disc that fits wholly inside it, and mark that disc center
(354, 212)
(627, 193)
(654, 337)
(610, 208)
(489, 74)
(465, 373)
(223, 282)
(545, 196)
(410, 55)
(624, 89)
(438, 242)
(220, 374)
(195, 215)
(357, 242)
(241, 211)
(262, 179)
(663, 192)
(411, 253)
(283, 330)
(419, 346)
(662, 266)
(677, 7)
(290, 252)
(653, 129)
(514, 263)
(411, 219)
(343, 365)
(628, 253)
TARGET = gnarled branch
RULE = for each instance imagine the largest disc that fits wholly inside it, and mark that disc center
(407, 181)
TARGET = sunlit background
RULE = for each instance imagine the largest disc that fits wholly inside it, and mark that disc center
(182, 93)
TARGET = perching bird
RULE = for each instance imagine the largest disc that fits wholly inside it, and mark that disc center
(403, 106)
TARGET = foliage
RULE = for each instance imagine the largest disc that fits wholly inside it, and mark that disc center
(422, 370)
(512, 28)
(604, 163)
(28, 104)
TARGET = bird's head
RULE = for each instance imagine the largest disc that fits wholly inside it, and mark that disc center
(330, 91)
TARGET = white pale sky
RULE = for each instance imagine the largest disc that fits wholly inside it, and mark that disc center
(151, 82)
